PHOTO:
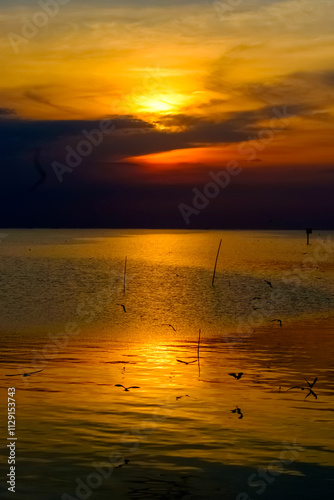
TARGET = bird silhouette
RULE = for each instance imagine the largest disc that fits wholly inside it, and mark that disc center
(127, 388)
(311, 385)
(310, 392)
(126, 461)
(123, 307)
(238, 411)
(303, 389)
(279, 321)
(236, 375)
(24, 374)
(166, 324)
(268, 283)
(186, 362)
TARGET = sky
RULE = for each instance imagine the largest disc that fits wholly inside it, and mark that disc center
(119, 113)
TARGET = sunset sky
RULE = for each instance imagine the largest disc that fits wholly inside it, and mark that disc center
(189, 86)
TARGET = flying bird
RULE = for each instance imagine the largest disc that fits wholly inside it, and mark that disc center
(166, 324)
(310, 392)
(279, 320)
(237, 376)
(24, 374)
(127, 388)
(268, 283)
(311, 385)
(238, 411)
(186, 362)
(303, 389)
(123, 307)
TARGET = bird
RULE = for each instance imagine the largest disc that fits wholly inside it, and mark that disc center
(126, 461)
(311, 385)
(127, 388)
(39, 169)
(237, 376)
(268, 283)
(279, 320)
(256, 298)
(303, 389)
(123, 307)
(24, 374)
(166, 324)
(310, 392)
(186, 362)
(238, 411)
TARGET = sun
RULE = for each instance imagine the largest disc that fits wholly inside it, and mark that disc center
(160, 103)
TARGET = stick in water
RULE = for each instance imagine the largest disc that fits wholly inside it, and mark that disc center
(199, 339)
(124, 274)
(214, 271)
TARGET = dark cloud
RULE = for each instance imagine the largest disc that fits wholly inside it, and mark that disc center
(105, 190)
(313, 88)
(7, 112)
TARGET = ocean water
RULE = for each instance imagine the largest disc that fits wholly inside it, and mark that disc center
(62, 293)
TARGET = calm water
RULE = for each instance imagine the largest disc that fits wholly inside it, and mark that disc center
(71, 418)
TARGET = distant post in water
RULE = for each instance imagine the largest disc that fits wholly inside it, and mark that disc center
(126, 259)
(214, 271)
(308, 232)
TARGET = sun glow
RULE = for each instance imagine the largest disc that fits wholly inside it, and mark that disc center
(160, 103)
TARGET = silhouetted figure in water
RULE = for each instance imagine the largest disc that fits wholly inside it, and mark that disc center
(279, 321)
(268, 283)
(186, 362)
(237, 376)
(24, 374)
(127, 388)
(166, 324)
(123, 307)
(238, 411)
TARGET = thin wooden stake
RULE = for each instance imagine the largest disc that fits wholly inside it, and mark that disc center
(199, 366)
(124, 274)
(214, 271)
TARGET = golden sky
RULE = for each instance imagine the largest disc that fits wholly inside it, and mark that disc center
(206, 81)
